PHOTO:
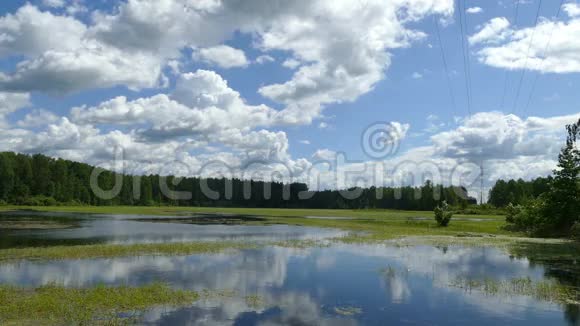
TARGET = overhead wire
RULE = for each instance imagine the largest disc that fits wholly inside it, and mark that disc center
(506, 75)
(465, 53)
(521, 80)
(540, 66)
(445, 65)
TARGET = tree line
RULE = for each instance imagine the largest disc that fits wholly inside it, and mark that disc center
(41, 180)
(517, 192)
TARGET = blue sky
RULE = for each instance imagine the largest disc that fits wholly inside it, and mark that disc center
(356, 63)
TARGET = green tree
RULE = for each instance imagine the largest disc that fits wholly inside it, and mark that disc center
(7, 176)
(562, 206)
(146, 195)
(41, 175)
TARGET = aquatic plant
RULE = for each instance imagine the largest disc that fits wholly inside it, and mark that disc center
(56, 305)
(347, 311)
(545, 290)
(119, 250)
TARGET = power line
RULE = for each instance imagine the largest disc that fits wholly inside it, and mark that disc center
(505, 79)
(470, 80)
(481, 183)
(516, 12)
(519, 88)
(466, 69)
(544, 57)
(445, 66)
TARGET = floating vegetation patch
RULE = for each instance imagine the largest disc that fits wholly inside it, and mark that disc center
(118, 250)
(302, 244)
(57, 305)
(101, 305)
(255, 301)
(33, 225)
(545, 290)
(475, 240)
(23, 221)
(347, 310)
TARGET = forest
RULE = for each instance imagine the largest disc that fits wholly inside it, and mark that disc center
(39, 180)
(518, 192)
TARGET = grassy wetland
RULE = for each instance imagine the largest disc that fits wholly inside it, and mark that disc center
(144, 278)
(53, 304)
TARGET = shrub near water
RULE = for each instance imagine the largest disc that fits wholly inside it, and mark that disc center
(443, 214)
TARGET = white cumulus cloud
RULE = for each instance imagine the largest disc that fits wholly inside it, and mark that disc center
(474, 10)
(550, 47)
(223, 56)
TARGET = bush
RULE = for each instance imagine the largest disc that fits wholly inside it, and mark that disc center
(512, 211)
(531, 218)
(443, 214)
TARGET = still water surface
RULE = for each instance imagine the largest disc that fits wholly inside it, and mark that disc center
(126, 229)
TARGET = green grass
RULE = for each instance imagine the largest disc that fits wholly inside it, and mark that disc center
(117, 250)
(283, 212)
(57, 305)
(387, 227)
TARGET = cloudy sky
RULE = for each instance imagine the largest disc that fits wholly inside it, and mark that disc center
(198, 87)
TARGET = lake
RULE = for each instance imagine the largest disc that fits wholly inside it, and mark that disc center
(127, 229)
(335, 284)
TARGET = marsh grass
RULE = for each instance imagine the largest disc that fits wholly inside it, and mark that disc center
(8, 222)
(255, 301)
(118, 250)
(301, 244)
(506, 243)
(57, 305)
(347, 311)
(545, 290)
(53, 304)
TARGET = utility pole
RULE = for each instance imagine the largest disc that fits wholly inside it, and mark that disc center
(481, 183)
